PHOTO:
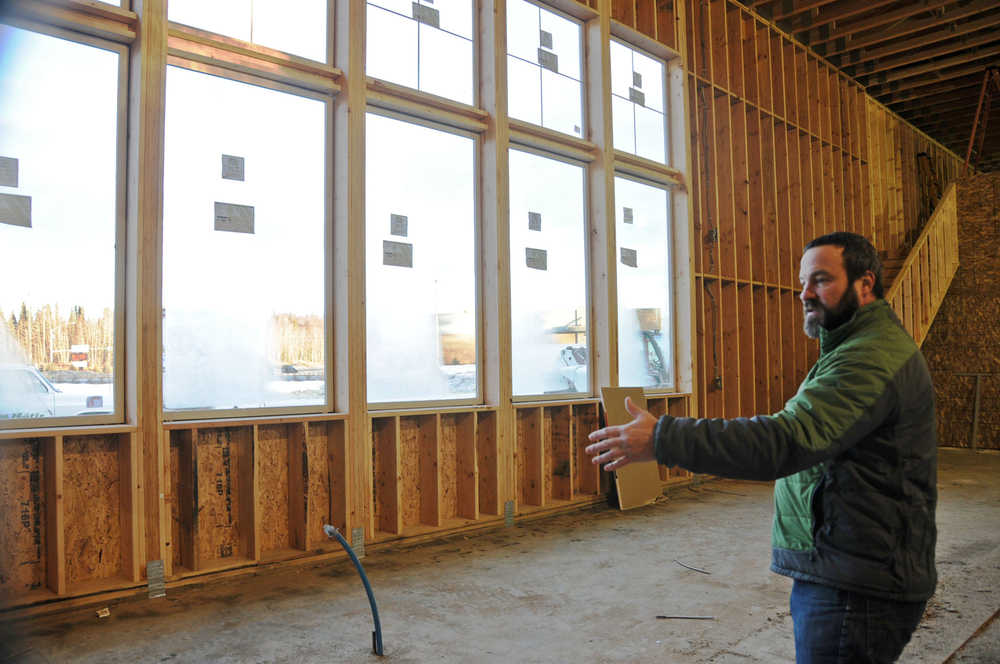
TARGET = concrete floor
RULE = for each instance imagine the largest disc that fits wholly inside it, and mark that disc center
(582, 587)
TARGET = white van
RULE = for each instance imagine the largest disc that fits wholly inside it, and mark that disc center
(26, 393)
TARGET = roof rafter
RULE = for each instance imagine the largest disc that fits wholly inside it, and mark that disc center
(934, 76)
(919, 55)
(938, 88)
(845, 31)
(907, 27)
(854, 58)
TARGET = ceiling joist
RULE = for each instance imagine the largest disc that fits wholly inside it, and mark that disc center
(877, 19)
(869, 73)
(908, 27)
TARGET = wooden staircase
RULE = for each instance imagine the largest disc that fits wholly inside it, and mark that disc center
(917, 280)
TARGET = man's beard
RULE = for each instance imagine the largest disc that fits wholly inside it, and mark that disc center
(829, 319)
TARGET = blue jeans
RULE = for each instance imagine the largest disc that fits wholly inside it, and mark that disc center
(839, 627)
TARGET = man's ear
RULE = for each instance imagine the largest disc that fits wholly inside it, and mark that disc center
(867, 283)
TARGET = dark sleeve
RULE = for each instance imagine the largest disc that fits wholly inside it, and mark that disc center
(830, 413)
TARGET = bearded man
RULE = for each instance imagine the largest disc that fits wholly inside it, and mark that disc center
(854, 453)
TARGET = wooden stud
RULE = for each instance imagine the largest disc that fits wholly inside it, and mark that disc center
(298, 487)
(530, 463)
(385, 438)
(55, 527)
(486, 455)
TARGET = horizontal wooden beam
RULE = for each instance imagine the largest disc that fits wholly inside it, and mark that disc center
(874, 72)
(788, 10)
(921, 112)
(907, 28)
(935, 89)
(943, 74)
(838, 12)
(847, 30)
(855, 58)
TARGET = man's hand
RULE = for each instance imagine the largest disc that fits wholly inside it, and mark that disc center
(617, 446)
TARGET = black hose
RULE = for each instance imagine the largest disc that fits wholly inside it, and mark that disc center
(332, 533)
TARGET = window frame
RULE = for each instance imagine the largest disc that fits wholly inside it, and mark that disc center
(118, 414)
(478, 315)
(584, 78)
(629, 41)
(671, 305)
(588, 285)
(328, 406)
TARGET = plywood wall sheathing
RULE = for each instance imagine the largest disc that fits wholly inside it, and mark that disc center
(92, 509)
(23, 536)
(586, 480)
(486, 457)
(273, 499)
(326, 467)
(386, 476)
(530, 465)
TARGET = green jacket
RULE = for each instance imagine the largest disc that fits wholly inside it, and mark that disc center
(856, 453)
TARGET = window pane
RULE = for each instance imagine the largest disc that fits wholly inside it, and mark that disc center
(294, 26)
(444, 64)
(389, 35)
(524, 96)
(549, 44)
(58, 201)
(548, 275)
(556, 114)
(420, 209)
(424, 45)
(243, 238)
(637, 103)
(623, 124)
(642, 229)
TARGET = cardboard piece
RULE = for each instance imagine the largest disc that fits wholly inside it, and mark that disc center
(638, 484)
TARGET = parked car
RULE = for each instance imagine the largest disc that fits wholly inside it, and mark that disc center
(25, 393)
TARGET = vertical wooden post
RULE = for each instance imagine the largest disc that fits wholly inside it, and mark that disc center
(494, 191)
(144, 278)
(601, 213)
(348, 280)
(55, 527)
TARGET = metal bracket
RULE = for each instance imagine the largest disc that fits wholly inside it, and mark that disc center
(508, 513)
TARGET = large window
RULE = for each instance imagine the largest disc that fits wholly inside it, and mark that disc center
(59, 224)
(420, 210)
(297, 27)
(543, 68)
(548, 272)
(642, 231)
(638, 103)
(423, 44)
(243, 246)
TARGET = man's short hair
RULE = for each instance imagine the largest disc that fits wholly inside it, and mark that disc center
(859, 257)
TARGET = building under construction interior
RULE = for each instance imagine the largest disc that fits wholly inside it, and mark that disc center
(267, 267)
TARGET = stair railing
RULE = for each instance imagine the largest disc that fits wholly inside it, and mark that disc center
(920, 286)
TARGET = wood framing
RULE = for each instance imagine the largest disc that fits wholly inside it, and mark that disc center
(767, 146)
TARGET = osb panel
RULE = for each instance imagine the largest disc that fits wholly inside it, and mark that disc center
(487, 462)
(319, 481)
(448, 466)
(560, 443)
(91, 507)
(272, 486)
(587, 479)
(218, 493)
(22, 501)
(175, 504)
(526, 455)
(546, 453)
(964, 337)
(409, 464)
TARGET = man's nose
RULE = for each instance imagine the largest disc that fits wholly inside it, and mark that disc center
(806, 294)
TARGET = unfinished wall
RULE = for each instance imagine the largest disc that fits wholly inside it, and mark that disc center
(784, 148)
(964, 338)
